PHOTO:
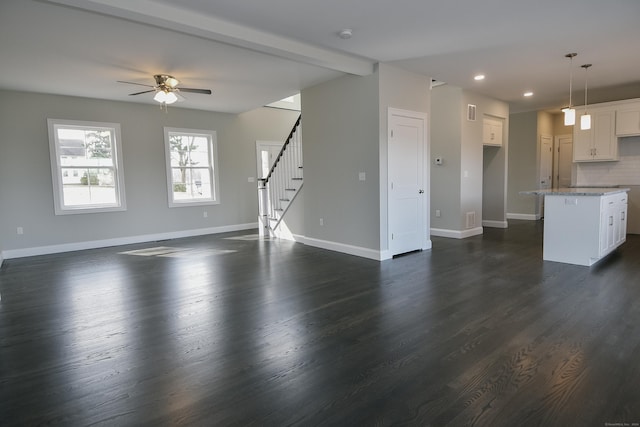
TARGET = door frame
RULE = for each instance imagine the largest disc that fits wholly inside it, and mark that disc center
(426, 183)
(259, 145)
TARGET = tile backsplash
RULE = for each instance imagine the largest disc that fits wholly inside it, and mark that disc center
(626, 171)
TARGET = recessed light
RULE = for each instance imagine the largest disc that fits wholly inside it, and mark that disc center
(527, 94)
(479, 77)
(346, 34)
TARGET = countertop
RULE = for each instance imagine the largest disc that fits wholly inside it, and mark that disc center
(577, 191)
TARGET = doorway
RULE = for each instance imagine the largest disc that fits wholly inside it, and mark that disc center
(545, 174)
(266, 153)
(563, 161)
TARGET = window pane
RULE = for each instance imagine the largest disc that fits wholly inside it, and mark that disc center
(191, 156)
(191, 183)
(92, 187)
(87, 173)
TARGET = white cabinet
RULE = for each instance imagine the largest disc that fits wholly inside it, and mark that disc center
(613, 222)
(582, 229)
(492, 132)
(598, 143)
(628, 119)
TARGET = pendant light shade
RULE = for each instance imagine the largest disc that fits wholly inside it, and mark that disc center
(570, 112)
(569, 116)
(585, 119)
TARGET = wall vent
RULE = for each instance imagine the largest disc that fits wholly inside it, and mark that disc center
(471, 112)
(471, 219)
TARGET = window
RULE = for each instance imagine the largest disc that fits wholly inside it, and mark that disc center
(86, 166)
(192, 172)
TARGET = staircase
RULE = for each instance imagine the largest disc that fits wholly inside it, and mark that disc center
(281, 186)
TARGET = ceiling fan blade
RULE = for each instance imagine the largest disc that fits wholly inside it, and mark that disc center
(202, 91)
(140, 93)
(132, 83)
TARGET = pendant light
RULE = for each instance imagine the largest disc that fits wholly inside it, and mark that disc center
(585, 119)
(570, 112)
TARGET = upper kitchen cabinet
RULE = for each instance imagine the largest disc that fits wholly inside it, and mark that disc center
(492, 132)
(599, 143)
(628, 119)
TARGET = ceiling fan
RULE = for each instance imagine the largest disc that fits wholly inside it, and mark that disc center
(166, 89)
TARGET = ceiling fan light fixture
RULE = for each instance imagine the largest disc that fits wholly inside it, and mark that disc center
(170, 98)
(160, 96)
(172, 81)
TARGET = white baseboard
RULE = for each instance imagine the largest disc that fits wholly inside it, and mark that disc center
(495, 224)
(341, 247)
(456, 234)
(78, 246)
(526, 217)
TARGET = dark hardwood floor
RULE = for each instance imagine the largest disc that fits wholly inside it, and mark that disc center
(232, 330)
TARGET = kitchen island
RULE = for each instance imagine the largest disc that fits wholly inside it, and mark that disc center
(583, 225)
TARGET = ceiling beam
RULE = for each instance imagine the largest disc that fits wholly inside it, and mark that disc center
(208, 27)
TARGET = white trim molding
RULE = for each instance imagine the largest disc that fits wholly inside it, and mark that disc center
(118, 241)
(526, 217)
(495, 224)
(456, 234)
(341, 247)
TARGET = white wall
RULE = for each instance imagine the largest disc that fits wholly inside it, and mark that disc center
(26, 198)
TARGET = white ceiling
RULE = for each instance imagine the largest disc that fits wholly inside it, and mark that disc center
(253, 52)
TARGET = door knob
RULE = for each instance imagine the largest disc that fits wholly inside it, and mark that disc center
(420, 191)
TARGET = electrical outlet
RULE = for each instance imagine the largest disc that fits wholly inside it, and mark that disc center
(321, 221)
(437, 213)
(205, 214)
(20, 230)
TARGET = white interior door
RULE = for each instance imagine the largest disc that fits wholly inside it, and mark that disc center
(545, 175)
(406, 182)
(565, 160)
(546, 162)
(266, 153)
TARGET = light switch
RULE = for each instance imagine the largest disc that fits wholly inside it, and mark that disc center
(362, 176)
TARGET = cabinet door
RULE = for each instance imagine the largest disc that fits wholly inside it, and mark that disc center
(582, 144)
(622, 218)
(628, 121)
(605, 143)
(492, 132)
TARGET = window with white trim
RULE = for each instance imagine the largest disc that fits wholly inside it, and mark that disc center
(86, 166)
(192, 172)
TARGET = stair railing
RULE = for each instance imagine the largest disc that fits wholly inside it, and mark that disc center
(281, 185)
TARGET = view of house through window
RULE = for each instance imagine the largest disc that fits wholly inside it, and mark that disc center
(86, 166)
(191, 171)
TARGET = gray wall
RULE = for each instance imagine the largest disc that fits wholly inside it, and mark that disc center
(457, 185)
(523, 170)
(26, 197)
(344, 134)
(446, 136)
(340, 139)
(406, 91)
